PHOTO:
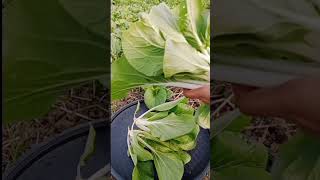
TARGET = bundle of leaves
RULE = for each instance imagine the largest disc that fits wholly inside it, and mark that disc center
(165, 47)
(165, 132)
(277, 36)
(157, 95)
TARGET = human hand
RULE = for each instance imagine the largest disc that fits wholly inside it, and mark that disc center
(202, 93)
(297, 100)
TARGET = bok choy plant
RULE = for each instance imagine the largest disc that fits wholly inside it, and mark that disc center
(165, 132)
(273, 41)
(156, 95)
(169, 47)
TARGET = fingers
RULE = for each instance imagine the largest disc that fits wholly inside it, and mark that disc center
(202, 93)
(193, 94)
(297, 100)
(275, 101)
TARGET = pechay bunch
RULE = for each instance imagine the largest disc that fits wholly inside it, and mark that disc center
(169, 47)
(276, 36)
(157, 95)
(165, 132)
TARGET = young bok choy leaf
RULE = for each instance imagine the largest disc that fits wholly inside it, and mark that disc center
(165, 132)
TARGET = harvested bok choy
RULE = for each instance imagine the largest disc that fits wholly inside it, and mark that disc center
(165, 47)
(165, 132)
(272, 41)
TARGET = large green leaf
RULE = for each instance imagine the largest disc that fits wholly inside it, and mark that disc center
(125, 77)
(181, 57)
(158, 145)
(143, 46)
(265, 35)
(163, 18)
(239, 152)
(169, 127)
(231, 153)
(191, 22)
(299, 159)
(189, 141)
(143, 170)
(169, 166)
(42, 59)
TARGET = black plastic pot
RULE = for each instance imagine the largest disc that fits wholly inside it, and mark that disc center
(121, 163)
(58, 159)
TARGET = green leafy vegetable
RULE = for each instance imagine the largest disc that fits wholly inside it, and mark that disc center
(143, 170)
(155, 95)
(163, 137)
(189, 141)
(182, 108)
(203, 116)
(184, 156)
(272, 40)
(137, 149)
(41, 60)
(158, 50)
(169, 165)
(169, 127)
(169, 105)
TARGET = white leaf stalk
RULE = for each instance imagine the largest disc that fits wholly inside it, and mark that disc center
(182, 83)
(141, 123)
